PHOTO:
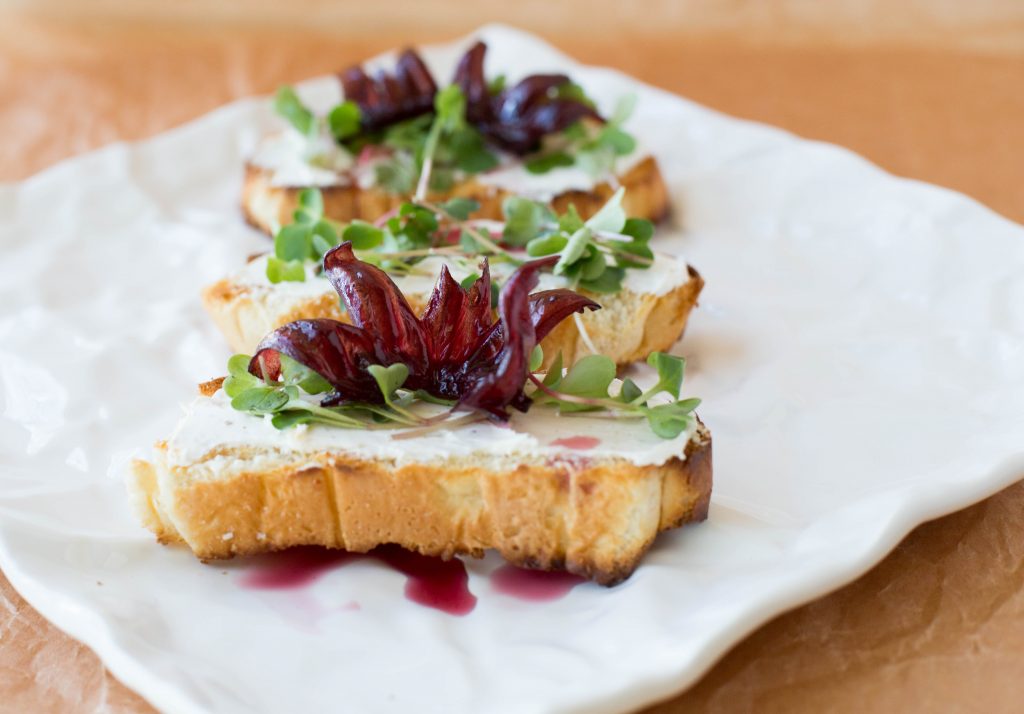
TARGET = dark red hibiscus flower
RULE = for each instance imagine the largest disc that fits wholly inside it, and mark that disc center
(517, 118)
(455, 350)
(514, 119)
(389, 98)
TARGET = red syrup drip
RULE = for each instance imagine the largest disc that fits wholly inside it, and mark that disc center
(432, 582)
(293, 568)
(533, 585)
(577, 442)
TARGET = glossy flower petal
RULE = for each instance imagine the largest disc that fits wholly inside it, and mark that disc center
(455, 350)
(516, 119)
(387, 99)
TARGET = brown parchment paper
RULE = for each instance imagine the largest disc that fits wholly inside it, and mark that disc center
(938, 626)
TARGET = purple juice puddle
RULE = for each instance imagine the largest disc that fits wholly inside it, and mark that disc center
(533, 585)
(293, 568)
(432, 582)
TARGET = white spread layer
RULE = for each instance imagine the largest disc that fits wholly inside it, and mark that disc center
(666, 274)
(513, 177)
(297, 161)
(211, 423)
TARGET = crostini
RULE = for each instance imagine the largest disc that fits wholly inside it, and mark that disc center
(473, 447)
(647, 297)
(398, 134)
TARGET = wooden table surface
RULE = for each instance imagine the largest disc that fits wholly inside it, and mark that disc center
(937, 626)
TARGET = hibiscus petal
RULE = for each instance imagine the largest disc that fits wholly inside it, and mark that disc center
(375, 303)
(550, 307)
(338, 352)
(456, 319)
(469, 75)
(388, 99)
(494, 376)
(527, 93)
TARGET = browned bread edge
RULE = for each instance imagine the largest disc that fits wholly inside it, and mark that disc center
(595, 517)
(266, 206)
(628, 328)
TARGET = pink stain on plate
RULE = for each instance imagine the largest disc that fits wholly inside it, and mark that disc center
(581, 443)
(439, 584)
(293, 568)
(533, 585)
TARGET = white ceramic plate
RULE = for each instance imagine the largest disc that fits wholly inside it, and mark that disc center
(858, 347)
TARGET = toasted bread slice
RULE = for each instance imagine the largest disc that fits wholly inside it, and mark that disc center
(228, 484)
(267, 205)
(629, 326)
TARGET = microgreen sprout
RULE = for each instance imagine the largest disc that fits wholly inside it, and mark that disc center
(583, 389)
(593, 254)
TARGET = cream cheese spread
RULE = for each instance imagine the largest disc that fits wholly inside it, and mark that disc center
(666, 274)
(296, 160)
(210, 424)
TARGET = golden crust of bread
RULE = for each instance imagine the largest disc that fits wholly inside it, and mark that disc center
(628, 327)
(266, 206)
(595, 517)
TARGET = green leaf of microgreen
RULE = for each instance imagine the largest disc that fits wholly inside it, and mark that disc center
(466, 150)
(630, 391)
(460, 208)
(298, 374)
(573, 91)
(389, 378)
(546, 162)
(279, 271)
(546, 245)
(345, 120)
(397, 174)
(291, 417)
(363, 235)
(621, 143)
(325, 229)
(634, 255)
(574, 250)
(536, 358)
(611, 218)
(311, 202)
(570, 221)
(431, 399)
(238, 365)
(321, 245)
(623, 109)
(590, 377)
(293, 242)
(666, 421)
(239, 379)
(554, 374)
(670, 373)
(289, 106)
(592, 265)
(640, 229)
(609, 281)
(524, 219)
(260, 400)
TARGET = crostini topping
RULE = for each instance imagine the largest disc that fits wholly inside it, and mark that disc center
(431, 138)
(593, 255)
(390, 98)
(517, 118)
(455, 351)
